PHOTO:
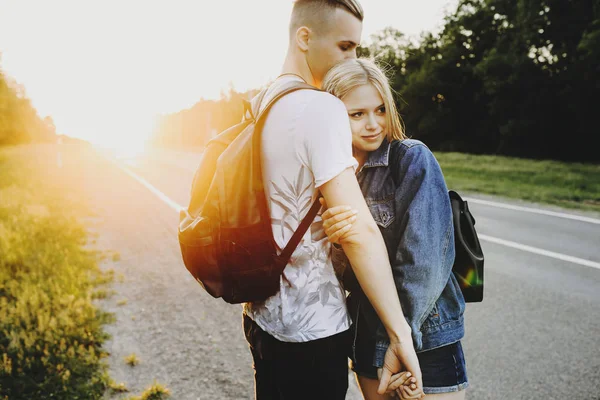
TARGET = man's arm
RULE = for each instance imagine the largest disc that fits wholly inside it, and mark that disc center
(367, 253)
(365, 248)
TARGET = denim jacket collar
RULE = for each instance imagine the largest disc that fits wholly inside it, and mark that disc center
(379, 157)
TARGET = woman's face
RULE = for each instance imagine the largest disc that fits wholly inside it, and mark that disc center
(367, 117)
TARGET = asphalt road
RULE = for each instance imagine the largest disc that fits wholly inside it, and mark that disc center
(535, 336)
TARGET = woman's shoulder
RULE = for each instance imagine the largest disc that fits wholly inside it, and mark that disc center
(410, 146)
(412, 156)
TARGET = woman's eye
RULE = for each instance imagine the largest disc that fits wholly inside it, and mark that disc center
(344, 48)
(356, 114)
(381, 110)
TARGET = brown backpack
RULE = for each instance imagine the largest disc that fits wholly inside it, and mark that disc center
(225, 234)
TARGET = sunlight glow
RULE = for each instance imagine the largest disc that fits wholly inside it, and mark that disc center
(105, 70)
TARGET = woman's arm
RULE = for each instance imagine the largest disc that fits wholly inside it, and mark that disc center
(425, 251)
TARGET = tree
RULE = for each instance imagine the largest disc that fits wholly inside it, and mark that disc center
(503, 77)
(19, 121)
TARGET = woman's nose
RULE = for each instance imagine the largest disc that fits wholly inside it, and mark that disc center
(371, 122)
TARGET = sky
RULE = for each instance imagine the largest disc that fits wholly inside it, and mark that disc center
(103, 70)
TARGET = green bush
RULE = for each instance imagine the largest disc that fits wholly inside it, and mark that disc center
(50, 332)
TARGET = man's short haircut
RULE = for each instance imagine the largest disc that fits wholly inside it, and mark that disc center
(316, 14)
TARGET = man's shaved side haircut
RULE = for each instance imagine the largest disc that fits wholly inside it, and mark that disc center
(316, 14)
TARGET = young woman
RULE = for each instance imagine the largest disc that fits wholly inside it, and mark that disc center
(406, 193)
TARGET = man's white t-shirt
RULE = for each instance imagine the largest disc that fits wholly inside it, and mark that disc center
(306, 141)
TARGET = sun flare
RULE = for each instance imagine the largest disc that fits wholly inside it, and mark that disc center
(88, 65)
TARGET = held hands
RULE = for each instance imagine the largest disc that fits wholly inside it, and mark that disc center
(400, 356)
(402, 384)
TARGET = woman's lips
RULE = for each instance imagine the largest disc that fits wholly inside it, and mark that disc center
(371, 137)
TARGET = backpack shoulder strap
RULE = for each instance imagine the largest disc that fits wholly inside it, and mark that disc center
(286, 253)
(279, 93)
(293, 243)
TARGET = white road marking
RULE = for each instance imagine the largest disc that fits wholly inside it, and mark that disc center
(533, 210)
(491, 239)
(151, 188)
(535, 250)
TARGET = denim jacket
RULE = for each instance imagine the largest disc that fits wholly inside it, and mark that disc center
(405, 190)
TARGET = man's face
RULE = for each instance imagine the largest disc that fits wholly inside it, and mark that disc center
(336, 43)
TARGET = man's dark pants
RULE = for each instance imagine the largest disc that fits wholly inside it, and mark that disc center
(317, 369)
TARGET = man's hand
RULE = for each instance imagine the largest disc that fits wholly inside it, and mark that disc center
(401, 357)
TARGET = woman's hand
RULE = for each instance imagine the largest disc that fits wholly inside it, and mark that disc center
(399, 380)
(337, 221)
(405, 393)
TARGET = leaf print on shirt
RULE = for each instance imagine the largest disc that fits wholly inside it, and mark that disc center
(310, 304)
(295, 201)
(313, 298)
(326, 290)
(306, 326)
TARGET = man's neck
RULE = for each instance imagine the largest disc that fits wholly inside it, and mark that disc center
(298, 66)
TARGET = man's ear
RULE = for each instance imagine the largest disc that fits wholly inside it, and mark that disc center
(302, 37)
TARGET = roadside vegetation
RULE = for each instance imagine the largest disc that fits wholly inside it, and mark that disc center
(51, 332)
(156, 391)
(570, 185)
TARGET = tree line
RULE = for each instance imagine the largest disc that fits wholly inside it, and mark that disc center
(510, 77)
(19, 120)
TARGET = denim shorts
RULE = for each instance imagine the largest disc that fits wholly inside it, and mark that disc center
(444, 369)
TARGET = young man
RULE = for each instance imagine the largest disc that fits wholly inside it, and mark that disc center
(298, 337)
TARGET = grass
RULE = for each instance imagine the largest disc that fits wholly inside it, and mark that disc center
(132, 360)
(155, 392)
(102, 294)
(569, 185)
(118, 387)
(51, 332)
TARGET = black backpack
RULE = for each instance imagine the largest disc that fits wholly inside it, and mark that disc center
(225, 234)
(468, 261)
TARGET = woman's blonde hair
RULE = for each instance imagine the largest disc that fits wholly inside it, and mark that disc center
(350, 74)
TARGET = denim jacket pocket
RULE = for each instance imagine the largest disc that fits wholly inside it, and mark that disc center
(432, 320)
(383, 211)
